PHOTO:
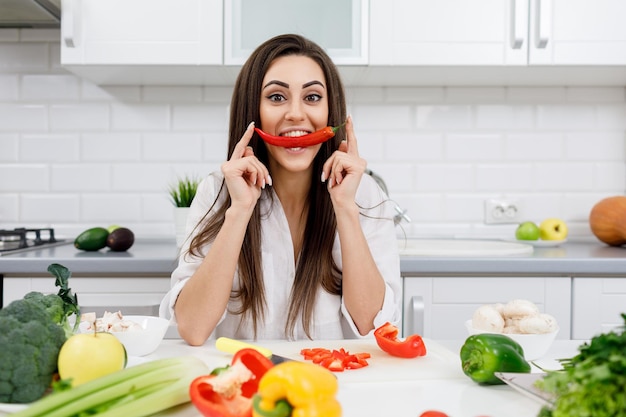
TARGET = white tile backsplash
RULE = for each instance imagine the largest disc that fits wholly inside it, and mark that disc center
(9, 84)
(75, 155)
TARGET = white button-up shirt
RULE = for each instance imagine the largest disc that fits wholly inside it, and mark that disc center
(331, 319)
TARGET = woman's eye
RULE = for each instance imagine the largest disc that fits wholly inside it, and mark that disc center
(276, 97)
(313, 97)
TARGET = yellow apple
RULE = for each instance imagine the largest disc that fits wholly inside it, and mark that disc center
(553, 229)
(87, 356)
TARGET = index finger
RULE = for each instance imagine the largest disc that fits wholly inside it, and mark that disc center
(240, 148)
(351, 138)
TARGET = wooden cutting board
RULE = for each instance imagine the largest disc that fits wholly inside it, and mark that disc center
(439, 362)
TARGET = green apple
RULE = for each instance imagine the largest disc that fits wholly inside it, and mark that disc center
(527, 231)
(87, 356)
(553, 229)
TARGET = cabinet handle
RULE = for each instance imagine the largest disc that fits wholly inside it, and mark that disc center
(518, 23)
(69, 22)
(416, 316)
(543, 22)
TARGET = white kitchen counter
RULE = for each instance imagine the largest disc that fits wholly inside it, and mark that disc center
(394, 386)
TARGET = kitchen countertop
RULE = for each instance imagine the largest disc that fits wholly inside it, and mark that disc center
(158, 258)
(392, 386)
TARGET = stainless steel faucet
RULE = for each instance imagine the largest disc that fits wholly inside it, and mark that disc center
(398, 218)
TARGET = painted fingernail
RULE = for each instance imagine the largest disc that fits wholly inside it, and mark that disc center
(263, 183)
(323, 177)
(330, 182)
(250, 125)
(269, 180)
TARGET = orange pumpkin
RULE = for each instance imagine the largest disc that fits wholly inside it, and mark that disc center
(608, 220)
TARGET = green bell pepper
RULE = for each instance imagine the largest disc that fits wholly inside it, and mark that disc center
(484, 354)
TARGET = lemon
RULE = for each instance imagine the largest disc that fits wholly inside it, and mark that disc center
(87, 356)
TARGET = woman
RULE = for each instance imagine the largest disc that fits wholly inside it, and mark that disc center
(289, 242)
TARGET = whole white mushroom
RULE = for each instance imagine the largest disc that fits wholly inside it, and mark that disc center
(488, 318)
(537, 324)
(519, 308)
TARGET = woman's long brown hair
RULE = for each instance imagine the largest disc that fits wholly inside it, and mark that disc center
(315, 266)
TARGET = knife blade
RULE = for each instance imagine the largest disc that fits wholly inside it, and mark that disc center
(228, 345)
(525, 384)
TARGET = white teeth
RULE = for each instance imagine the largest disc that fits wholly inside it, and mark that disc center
(295, 149)
(295, 133)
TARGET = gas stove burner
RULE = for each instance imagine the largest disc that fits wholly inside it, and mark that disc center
(21, 238)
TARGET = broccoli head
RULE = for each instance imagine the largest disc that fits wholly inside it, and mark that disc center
(30, 342)
(51, 302)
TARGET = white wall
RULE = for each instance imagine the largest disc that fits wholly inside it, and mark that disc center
(75, 155)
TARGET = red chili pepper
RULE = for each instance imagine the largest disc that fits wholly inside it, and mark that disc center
(387, 339)
(311, 139)
(213, 404)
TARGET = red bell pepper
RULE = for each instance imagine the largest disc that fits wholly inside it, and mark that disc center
(336, 360)
(228, 392)
(387, 339)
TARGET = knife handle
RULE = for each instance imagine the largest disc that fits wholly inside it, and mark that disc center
(229, 345)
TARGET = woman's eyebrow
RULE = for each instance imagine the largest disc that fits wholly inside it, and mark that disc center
(314, 82)
(280, 83)
(285, 85)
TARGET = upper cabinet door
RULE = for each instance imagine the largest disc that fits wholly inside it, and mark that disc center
(340, 27)
(577, 32)
(449, 32)
(141, 32)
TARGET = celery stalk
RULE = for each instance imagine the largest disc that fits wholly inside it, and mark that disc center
(134, 392)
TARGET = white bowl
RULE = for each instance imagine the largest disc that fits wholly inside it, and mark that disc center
(535, 345)
(143, 341)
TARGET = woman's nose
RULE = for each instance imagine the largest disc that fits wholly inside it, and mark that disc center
(295, 111)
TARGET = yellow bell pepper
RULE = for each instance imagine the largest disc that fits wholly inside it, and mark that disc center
(297, 389)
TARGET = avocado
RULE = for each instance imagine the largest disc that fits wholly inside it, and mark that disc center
(92, 239)
(120, 239)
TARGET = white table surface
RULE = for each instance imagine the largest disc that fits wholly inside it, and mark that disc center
(457, 396)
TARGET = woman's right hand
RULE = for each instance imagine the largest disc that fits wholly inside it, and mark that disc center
(245, 175)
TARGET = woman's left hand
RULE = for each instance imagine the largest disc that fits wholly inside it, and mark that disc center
(344, 169)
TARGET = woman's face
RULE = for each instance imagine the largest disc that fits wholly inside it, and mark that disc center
(294, 102)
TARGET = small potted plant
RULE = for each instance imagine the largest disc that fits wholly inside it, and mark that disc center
(182, 194)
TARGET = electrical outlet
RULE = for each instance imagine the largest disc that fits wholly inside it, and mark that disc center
(502, 210)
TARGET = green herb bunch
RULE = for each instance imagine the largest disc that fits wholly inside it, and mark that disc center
(592, 383)
(183, 192)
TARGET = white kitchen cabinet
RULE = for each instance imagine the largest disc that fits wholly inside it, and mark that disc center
(146, 32)
(340, 27)
(597, 305)
(437, 307)
(143, 42)
(130, 295)
(498, 32)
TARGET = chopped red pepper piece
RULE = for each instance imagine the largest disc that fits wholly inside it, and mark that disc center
(237, 401)
(336, 360)
(387, 339)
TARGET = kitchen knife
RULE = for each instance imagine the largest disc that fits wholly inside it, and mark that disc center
(525, 383)
(228, 345)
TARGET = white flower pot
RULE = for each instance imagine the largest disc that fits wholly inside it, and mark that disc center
(180, 222)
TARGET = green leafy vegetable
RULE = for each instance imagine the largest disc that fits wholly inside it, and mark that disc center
(70, 301)
(592, 383)
(138, 391)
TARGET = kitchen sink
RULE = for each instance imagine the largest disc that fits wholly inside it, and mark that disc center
(462, 247)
